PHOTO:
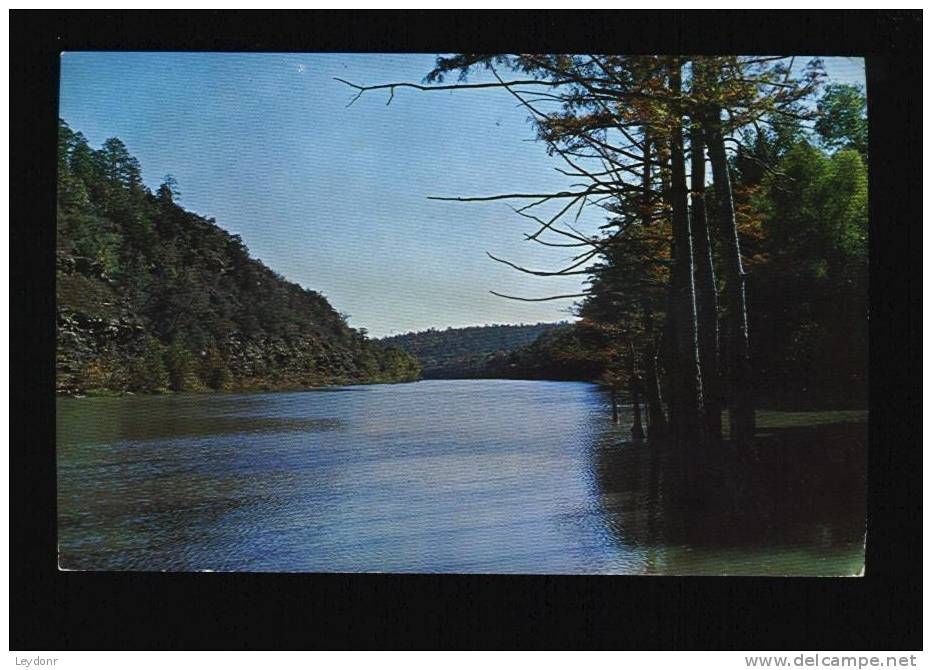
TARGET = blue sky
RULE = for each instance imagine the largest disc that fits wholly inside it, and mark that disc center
(335, 197)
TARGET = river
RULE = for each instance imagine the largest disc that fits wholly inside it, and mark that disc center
(484, 476)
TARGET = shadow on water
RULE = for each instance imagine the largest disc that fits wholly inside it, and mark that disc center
(794, 504)
(148, 418)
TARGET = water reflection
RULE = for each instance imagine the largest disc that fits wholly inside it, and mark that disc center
(796, 506)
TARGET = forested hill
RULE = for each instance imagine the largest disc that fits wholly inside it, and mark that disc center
(151, 297)
(466, 352)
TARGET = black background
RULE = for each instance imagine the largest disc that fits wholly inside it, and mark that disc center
(86, 610)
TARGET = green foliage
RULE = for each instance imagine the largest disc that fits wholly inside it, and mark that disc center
(118, 166)
(398, 365)
(99, 375)
(567, 353)
(846, 206)
(815, 211)
(842, 122)
(180, 365)
(148, 373)
(763, 148)
(168, 190)
(810, 284)
(214, 371)
(93, 238)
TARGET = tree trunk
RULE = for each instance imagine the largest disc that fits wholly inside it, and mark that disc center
(634, 384)
(637, 428)
(689, 419)
(656, 418)
(706, 292)
(646, 181)
(734, 295)
(614, 395)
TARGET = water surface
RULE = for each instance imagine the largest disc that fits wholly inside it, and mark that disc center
(486, 476)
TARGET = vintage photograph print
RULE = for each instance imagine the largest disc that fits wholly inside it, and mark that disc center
(462, 313)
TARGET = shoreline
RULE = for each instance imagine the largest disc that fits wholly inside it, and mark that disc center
(107, 393)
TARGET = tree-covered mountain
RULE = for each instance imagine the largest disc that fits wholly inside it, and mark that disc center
(151, 297)
(474, 351)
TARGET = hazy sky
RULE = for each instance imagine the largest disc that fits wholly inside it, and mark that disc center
(335, 197)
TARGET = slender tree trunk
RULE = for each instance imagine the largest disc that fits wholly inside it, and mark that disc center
(637, 429)
(706, 292)
(690, 413)
(667, 366)
(734, 295)
(656, 418)
(635, 383)
(646, 182)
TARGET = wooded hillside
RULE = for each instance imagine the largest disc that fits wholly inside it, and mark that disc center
(152, 298)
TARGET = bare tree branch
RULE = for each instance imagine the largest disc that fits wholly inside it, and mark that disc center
(552, 297)
(569, 270)
(517, 196)
(447, 87)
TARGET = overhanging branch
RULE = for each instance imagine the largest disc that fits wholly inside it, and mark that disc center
(551, 297)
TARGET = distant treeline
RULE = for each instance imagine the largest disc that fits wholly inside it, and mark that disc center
(153, 298)
(474, 351)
